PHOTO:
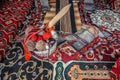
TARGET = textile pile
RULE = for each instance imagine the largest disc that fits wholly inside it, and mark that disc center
(12, 14)
(83, 45)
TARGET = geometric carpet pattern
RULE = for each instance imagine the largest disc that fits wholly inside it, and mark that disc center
(16, 68)
(88, 54)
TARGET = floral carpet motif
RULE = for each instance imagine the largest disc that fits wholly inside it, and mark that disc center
(85, 55)
(12, 13)
(106, 18)
(16, 68)
(97, 5)
(80, 70)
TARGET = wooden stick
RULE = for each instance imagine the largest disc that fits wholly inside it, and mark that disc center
(59, 16)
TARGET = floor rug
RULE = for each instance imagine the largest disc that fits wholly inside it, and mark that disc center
(90, 63)
(16, 68)
(88, 7)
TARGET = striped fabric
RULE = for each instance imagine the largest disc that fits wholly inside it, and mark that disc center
(50, 14)
(71, 21)
(77, 16)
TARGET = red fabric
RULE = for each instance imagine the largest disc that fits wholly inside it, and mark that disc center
(64, 57)
(12, 13)
(34, 38)
(46, 35)
(65, 53)
(113, 3)
(35, 16)
(116, 70)
(109, 46)
(39, 38)
(28, 56)
(102, 49)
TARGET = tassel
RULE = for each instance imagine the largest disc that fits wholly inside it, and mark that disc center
(28, 56)
(34, 38)
(46, 35)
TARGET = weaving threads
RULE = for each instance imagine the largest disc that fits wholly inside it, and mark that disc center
(30, 45)
(40, 45)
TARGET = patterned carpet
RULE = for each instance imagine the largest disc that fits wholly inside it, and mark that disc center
(12, 13)
(91, 53)
(17, 68)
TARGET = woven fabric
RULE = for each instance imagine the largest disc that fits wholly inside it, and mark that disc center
(106, 18)
(96, 5)
(81, 70)
(16, 67)
(34, 17)
(115, 71)
(12, 13)
(88, 54)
